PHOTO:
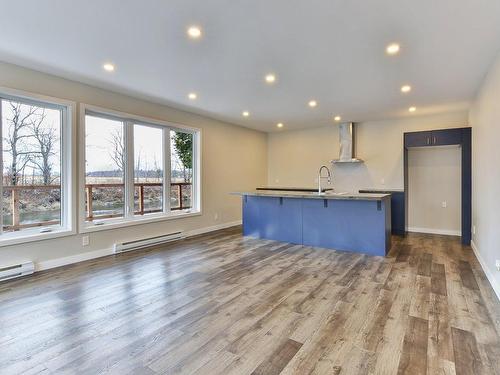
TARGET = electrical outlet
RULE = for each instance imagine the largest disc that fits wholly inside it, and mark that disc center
(474, 230)
(444, 204)
(498, 264)
(382, 181)
(216, 216)
(85, 241)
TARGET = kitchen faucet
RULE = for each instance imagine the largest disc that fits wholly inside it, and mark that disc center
(329, 177)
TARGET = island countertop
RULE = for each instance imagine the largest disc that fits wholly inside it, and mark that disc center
(314, 195)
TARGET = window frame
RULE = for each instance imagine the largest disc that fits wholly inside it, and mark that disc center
(129, 219)
(67, 141)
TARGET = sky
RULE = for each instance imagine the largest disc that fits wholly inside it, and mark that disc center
(52, 121)
(147, 145)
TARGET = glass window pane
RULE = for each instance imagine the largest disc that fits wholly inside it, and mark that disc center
(148, 169)
(31, 165)
(181, 159)
(104, 168)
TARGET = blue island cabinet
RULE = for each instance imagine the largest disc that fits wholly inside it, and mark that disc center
(362, 226)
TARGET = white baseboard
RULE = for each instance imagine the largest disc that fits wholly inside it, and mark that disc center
(59, 262)
(444, 232)
(493, 282)
(212, 228)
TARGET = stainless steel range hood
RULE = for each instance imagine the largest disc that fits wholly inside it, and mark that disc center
(347, 138)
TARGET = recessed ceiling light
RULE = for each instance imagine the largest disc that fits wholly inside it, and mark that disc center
(405, 88)
(279, 125)
(313, 103)
(270, 78)
(337, 118)
(392, 49)
(412, 109)
(246, 113)
(109, 67)
(192, 95)
(194, 32)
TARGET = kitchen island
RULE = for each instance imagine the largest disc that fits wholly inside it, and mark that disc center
(349, 222)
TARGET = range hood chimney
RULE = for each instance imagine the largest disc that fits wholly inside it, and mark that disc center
(347, 138)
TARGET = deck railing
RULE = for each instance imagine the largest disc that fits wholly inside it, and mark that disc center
(15, 209)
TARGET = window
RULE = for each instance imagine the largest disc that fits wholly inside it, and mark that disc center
(104, 168)
(148, 169)
(137, 169)
(35, 187)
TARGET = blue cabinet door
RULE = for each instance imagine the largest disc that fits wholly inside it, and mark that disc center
(446, 137)
(418, 139)
(398, 215)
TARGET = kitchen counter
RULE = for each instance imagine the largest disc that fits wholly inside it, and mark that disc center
(349, 222)
(281, 188)
(383, 191)
(314, 195)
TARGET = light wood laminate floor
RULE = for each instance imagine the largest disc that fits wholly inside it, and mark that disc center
(224, 304)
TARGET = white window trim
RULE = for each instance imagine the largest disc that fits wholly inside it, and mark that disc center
(113, 223)
(68, 213)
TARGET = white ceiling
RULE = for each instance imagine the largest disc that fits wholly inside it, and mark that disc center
(332, 51)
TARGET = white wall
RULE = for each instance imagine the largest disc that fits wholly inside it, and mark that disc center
(434, 177)
(485, 121)
(294, 157)
(233, 158)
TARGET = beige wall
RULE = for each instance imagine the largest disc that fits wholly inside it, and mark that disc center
(485, 121)
(233, 158)
(295, 156)
(434, 177)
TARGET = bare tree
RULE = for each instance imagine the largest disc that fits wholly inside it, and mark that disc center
(15, 138)
(117, 152)
(46, 139)
(138, 167)
(158, 173)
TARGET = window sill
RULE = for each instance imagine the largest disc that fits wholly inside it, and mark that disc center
(120, 223)
(16, 238)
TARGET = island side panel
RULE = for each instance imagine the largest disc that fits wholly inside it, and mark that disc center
(362, 226)
(273, 218)
(251, 217)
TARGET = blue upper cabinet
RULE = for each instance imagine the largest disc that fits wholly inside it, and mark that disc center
(444, 137)
(418, 139)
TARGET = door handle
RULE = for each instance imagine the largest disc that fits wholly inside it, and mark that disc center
(434, 140)
(428, 140)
